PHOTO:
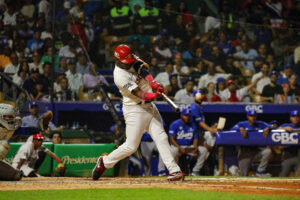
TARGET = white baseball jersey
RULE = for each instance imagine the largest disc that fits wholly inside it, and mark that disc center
(28, 153)
(125, 80)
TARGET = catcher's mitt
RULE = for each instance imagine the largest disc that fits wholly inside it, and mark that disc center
(60, 170)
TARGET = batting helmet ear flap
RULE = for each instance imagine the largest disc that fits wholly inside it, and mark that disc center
(123, 54)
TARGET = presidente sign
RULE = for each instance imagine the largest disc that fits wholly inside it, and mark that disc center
(80, 159)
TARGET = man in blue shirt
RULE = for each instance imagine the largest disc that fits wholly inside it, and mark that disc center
(290, 154)
(184, 140)
(247, 153)
(197, 113)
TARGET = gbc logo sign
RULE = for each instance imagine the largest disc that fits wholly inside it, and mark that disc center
(257, 108)
(285, 138)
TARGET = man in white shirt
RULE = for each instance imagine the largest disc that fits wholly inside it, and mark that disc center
(136, 84)
(246, 56)
(185, 95)
(211, 76)
(12, 68)
(75, 79)
(10, 16)
(82, 65)
(265, 80)
(163, 77)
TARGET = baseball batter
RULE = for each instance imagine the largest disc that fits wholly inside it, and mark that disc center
(9, 122)
(135, 84)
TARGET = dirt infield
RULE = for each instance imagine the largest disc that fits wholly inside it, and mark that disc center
(282, 187)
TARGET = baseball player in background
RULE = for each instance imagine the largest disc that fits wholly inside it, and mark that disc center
(9, 122)
(184, 139)
(135, 83)
(290, 154)
(247, 154)
(27, 155)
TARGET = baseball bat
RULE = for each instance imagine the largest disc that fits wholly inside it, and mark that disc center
(171, 103)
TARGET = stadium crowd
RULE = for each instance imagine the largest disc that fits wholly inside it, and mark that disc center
(243, 51)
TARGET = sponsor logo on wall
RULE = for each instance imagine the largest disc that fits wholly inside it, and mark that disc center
(285, 138)
(79, 160)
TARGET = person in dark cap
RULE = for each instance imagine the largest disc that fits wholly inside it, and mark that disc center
(29, 84)
(247, 154)
(290, 154)
(271, 90)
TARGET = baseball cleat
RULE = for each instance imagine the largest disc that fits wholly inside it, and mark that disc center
(99, 169)
(176, 176)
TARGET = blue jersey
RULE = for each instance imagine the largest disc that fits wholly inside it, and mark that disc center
(197, 114)
(258, 125)
(290, 125)
(184, 134)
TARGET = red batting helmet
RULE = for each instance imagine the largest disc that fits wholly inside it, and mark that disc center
(38, 136)
(123, 54)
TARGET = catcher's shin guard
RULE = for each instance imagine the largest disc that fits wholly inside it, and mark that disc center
(8, 173)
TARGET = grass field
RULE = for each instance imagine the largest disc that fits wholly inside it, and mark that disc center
(124, 194)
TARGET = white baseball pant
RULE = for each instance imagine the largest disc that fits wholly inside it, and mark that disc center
(138, 119)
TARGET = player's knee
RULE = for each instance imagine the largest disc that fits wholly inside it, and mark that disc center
(131, 149)
(267, 152)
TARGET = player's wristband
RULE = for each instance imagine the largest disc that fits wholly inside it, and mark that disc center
(148, 96)
(58, 160)
(149, 78)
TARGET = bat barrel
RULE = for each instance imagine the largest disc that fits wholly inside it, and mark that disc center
(171, 103)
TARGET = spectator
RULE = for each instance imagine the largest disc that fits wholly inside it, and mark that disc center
(179, 66)
(37, 92)
(36, 58)
(262, 52)
(29, 84)
(232, 94)
(150, 17)
(246, 56)
(161, 51)
(177, 29)
(220, 85)
(34, 119)
(27, 11)
(264, 78)
(35, 43)
(25, 32)
(163, 77)
(154, 69)
(217, 57)
(10, 16)
(272, 90)
(211, 76)
(142, 36)
(48, 58)
(63, 65)
(246, 154)
(286, 97)
(65, 94)
(82, 65)
(70, 50)
(74, 78)
(47, 33)
(211, 96)
(46, 78)
(120, 19)
(184, 141)
(233, 67)
(198, 71)
(289, 153)
(56, 138)
(173, 88)
(23, 73)
(168, 17)
(294, 87)
(44, 8)
(4, 57)
(223, 44)
(12, 68)
(285, 75)
(185, 95)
